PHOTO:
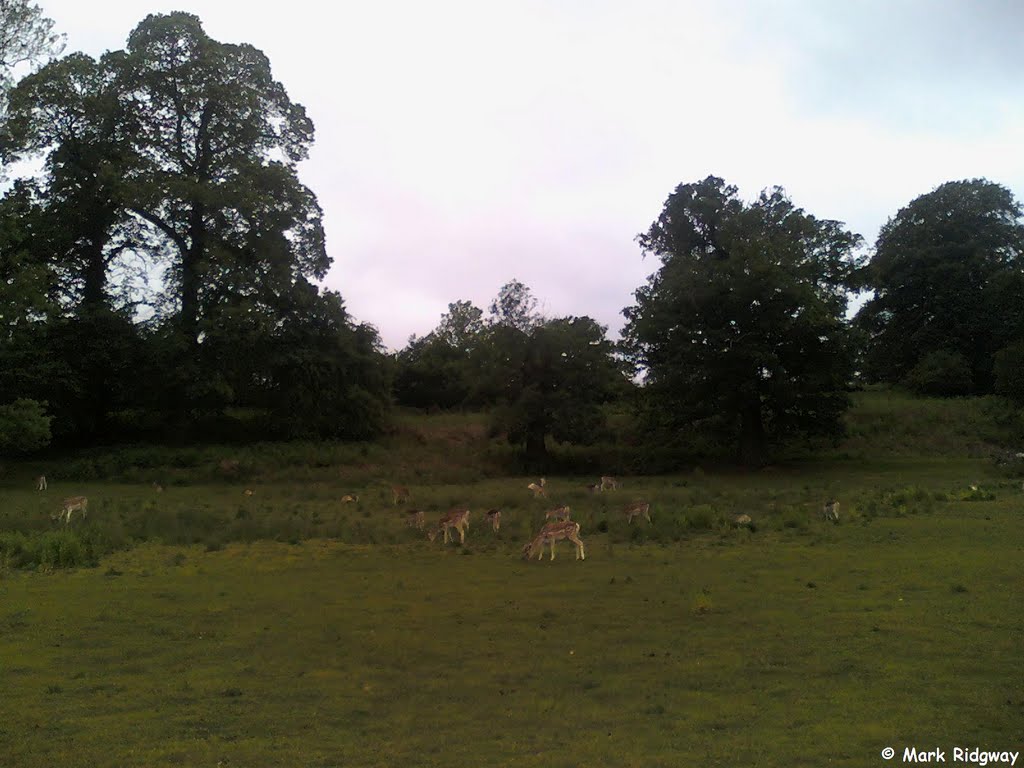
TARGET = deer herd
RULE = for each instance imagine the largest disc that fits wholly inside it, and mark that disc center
(558, 525)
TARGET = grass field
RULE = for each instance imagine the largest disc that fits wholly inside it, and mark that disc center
(286, 629)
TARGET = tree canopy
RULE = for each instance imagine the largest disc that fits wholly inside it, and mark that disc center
(741, 329)
(948, 276)
(174, 161)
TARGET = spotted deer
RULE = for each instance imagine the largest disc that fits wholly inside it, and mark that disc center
(71, 504)
(554, 532)
(637, 509)
(457, 519)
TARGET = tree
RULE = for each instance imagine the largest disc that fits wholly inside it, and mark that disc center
(948, 275)
(325, 374)
(515, 307)
(461, 326)
(442, 369)
(551, 381)
(741, 329)
(940, 374)
(217, 142)
(69, 113)
(26, 36)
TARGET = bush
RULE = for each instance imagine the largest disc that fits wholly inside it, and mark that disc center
(49, 549)
(940, 374)
(24, 426)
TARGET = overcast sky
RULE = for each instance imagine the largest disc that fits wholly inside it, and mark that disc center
(463, 144)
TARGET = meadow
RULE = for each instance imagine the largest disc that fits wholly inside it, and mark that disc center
(203, 626)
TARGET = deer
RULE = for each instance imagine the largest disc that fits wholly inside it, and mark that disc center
(558, 513)
(552, 533)
(636, 509)
(538, 489)
(831, 510)
(71, 504)
(457, 519)
(494, 518)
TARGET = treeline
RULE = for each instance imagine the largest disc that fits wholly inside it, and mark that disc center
(740, 339)
(159, 279)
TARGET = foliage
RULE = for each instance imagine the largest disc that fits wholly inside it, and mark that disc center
(441, 369)
(515, 307)
(1008, 370)
(947, 276)
(940, 374)
(26, 36)
(178, 152)
(741, 330)
(218, 140)
(24, 426)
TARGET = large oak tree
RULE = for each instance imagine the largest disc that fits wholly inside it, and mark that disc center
(741, 329)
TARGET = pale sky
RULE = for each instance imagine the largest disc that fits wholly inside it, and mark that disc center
(461, 144)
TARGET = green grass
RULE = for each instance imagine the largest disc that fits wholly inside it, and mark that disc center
(765, 649)
(202, 626)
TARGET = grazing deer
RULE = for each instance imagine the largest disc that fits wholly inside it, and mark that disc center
(831, 510)
(247, 492)
(416, 518)
(71, 504)
(457, 519)
(559, 513)
(399, 493)
(552, 533)
(636, 509)
(349, 498)
(538, 489)
(494, 517)
(609, 484)
(157, 487)
(41, 483)
(740, 520)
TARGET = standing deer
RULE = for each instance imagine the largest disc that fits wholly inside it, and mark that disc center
(558, 513)
(494, 517)
(538, 489)
(831, 510)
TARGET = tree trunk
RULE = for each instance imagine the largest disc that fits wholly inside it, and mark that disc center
(94, 292)
(751, 436)
(191, 279)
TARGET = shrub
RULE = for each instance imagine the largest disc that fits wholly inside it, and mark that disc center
(940, 374)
